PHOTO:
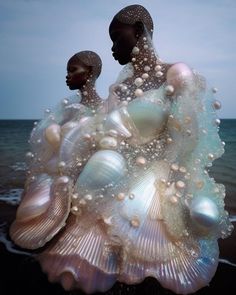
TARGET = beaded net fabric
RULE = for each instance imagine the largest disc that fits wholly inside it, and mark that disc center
(125, 193)
(135, 13)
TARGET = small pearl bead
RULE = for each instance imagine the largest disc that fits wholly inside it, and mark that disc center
(188, 132)
(65, 101)
(138, 81)
(145, 75)
(175, 167)
(75, 196)
(63, 180)
(210, 156)
(173, 199)
(169, 89)
(61, 164)
(135, 50)
(217, 105)
(159, 74)
(82, 202)
(29, 155)
(169, 140)
(74, 210)
(121, 196)
(180, 184)
(217, 121)
(88, 197)
(131, 196)
(147, 69)
(135, 222)
(141, 161)
(124, 88)
(157, 68)
(182, 169)
(87, 136)
(138, 92)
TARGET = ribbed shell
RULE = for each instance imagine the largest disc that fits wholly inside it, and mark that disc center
(36, 232)
(81, 257)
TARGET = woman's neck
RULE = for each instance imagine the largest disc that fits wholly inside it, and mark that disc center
(89, 96)
(144, 58)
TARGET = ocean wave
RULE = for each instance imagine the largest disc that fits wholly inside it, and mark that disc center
(232, 218)
(225, 261)
(8, 243)
(12, 197)
(19, 166)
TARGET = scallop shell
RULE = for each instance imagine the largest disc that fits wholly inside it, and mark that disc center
(180, 263)
(81, 257)
(116, 120)
(42, 213)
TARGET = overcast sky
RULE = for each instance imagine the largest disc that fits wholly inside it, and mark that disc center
(37, 37)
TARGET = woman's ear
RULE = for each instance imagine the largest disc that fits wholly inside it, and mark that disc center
(139, 28)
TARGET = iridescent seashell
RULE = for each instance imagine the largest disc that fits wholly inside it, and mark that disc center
(148, 117)
(204, 212)
(115, 120)
(82, 256)
(36, 200)
(42, 213)
(103, 168)
(75, 146)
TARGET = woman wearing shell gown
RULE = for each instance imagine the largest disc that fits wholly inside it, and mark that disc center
(133, 197)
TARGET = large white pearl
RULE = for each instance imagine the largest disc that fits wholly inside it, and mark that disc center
(178, 74)
(204, 212)
(103, 168)
(53, 135)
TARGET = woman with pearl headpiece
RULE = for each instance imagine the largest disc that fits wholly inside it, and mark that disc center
(169, 228)
(46, 201)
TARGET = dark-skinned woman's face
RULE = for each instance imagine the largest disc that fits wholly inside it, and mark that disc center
(77, 74)
(124, 39)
